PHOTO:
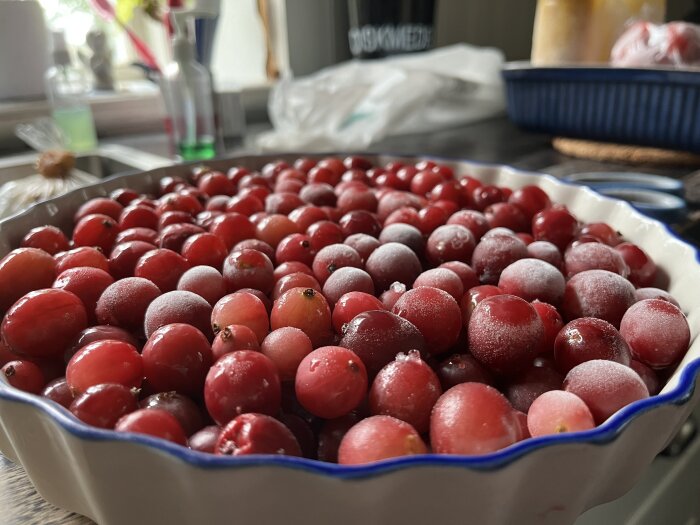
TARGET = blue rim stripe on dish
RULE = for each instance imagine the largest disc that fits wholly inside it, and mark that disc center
(666, 208)
(600, 435)
(645, 181)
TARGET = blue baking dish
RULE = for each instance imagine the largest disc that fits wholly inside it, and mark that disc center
(648, 107)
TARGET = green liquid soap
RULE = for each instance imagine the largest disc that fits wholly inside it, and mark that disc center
(77, 126)
(201, 150)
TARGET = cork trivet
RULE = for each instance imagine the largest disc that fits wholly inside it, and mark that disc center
(691, 182)
(606, 152)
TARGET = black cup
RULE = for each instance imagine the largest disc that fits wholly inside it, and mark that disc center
(390, 27)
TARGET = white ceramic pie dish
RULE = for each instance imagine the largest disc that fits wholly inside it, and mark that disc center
(128, 479)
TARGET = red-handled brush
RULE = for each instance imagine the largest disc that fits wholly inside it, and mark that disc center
(106, 11)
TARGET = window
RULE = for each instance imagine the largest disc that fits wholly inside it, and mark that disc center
(76, 18)
(239, 53)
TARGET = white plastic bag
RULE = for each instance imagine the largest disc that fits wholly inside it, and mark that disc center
(352, 105)
(674, 44)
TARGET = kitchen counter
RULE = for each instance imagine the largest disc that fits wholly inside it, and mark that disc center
(492, 141)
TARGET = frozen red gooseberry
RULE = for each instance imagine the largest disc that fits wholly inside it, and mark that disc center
(178, 306)
(331, 381)
(23, 270)
(233, 338)
(505, 333)
(435, 313)
(494, 253)
(545, 251)
(256, 434)
(655, 293)
(451, 242)
(557, 411)
(306, 309)
(533, 279)
(408, 377)
(533, 381)
(643, 270)
(552, 323)
(588, 338)
(205, 281)
(154, 422)
(605, 386)
(350, 305)
(243, 308)
(462, 368)
(594, 256)
(286, 347)
(376, 336)
(124, 303)
(472, 419)
(379, 437)
(556, 225)
(240, 382)
(392, 262)
(106, 361)
(43, 323)
(598, 293)
(442, 278)
(656, 331)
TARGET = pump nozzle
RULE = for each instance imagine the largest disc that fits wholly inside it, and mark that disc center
(59, 48)
(198, 9)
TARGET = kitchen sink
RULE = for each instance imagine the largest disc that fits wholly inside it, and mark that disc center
(107, 160)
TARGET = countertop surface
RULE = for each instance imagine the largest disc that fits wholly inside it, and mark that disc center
(492, 141)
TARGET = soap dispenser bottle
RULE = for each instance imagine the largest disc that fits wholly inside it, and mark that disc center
(67, 88)
(187, 91)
